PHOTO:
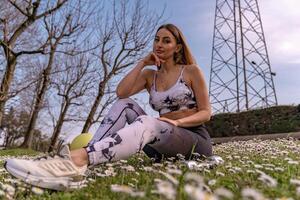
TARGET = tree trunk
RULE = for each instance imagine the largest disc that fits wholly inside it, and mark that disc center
(89, 120)
(38, 102)
(58, 126)
(6, 81)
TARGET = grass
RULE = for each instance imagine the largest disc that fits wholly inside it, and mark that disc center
(18, 152)
(261, 169)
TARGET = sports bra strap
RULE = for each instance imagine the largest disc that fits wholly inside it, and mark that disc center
(154, 80)
(181, 73)
(155, 75)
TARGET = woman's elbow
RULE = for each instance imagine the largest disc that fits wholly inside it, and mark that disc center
(121, 95)
(208, 115)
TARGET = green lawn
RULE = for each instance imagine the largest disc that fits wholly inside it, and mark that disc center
(18, 152)
(261, 169)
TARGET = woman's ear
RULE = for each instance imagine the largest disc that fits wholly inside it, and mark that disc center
(178, 48)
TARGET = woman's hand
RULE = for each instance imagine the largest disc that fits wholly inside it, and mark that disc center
(171, 121)
(152, 59)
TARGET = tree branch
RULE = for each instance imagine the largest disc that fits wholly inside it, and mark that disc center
(58, 5)
(30, 52)
(6, 48)
(14, 4)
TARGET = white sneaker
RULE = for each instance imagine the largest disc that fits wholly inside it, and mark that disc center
(57, 173)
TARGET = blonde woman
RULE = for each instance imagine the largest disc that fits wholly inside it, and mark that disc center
(177, 91)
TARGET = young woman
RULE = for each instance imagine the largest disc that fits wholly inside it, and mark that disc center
(177, 91)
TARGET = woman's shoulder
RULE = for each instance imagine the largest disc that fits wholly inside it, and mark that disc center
(192, 69)
(193, 73)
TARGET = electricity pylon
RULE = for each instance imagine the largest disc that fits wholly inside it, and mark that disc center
(241, 77)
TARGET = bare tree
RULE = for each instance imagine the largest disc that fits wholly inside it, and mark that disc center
(15, 122)
(124, 36)
(31, 11)
(60, 29)
(71, 85)
(118, 40)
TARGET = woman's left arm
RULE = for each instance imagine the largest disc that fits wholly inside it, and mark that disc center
(201, 93)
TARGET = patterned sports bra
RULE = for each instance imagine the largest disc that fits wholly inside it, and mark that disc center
(179, 97)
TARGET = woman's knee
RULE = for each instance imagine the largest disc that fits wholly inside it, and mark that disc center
(146, 122)
(154, 125)
(125, 101)
(145, 119)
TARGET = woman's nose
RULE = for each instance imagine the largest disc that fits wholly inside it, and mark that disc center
(158, 43)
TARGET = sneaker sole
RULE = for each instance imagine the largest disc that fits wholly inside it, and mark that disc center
(48, 183)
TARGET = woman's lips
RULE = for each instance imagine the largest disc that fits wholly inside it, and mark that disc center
(159, 52)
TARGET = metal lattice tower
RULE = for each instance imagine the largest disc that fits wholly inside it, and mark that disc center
(241, 76)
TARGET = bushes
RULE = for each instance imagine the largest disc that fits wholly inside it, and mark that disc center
(277, 119)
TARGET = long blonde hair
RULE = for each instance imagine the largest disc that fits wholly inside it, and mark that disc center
(184, 56)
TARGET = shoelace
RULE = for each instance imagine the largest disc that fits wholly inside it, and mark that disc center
(48, 156)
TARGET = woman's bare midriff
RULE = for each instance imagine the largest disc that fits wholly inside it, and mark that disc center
(179, 114)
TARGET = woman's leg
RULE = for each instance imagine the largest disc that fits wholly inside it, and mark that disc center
(165, 138)
(122, 111)
(62, 172)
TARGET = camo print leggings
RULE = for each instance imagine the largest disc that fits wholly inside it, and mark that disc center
(114, 141)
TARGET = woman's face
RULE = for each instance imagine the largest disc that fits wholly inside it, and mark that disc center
(165, 45)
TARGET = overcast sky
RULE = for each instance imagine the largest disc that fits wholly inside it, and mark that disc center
(281, 23)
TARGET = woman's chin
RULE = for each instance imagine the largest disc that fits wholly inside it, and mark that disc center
(162, 57)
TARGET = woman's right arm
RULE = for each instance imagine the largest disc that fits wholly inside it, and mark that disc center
(136, 79)
(133, 82)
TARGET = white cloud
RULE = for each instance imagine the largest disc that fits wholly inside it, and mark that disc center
(282, 29)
